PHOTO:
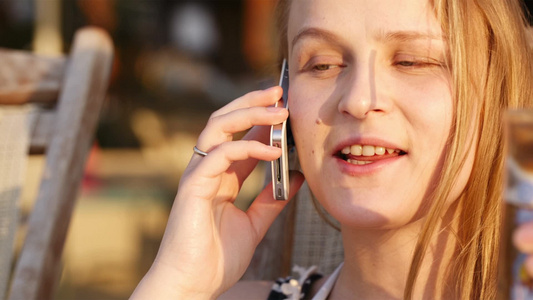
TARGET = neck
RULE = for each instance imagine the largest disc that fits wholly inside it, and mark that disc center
(377, 263)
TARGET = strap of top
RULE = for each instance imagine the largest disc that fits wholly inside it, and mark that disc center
(326, 288)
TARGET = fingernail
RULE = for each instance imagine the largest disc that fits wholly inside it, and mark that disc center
(274, 149)
(274, 109)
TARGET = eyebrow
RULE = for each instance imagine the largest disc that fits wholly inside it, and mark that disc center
(381, 36)
(406, 36)
(316, 33)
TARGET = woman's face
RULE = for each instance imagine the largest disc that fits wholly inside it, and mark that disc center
(371, 106)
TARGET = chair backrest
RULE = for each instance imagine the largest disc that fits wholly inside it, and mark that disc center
(64, 96)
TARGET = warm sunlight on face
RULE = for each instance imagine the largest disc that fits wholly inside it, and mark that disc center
(371, 105)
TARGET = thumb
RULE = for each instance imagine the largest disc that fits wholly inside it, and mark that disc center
(265, 208)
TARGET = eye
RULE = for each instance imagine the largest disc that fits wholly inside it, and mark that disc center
(325, 70)
(410, 62)
(406, 63)
(323, 67)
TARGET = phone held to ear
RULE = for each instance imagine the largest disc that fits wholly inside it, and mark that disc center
(278, 138)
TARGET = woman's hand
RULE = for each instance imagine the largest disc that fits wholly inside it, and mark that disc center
(208, 242)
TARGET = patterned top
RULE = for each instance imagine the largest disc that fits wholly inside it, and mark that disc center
(291, 289)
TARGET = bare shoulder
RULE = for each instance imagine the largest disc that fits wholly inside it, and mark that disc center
(249, 290)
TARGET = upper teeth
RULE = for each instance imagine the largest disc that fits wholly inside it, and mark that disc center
(366, 150)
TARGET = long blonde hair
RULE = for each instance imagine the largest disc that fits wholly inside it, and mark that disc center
(491, 67)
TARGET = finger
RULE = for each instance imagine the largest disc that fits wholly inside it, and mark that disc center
(523, 238)
(243, 168)
(265, 208)
(221, 129)
(220, 159)
(244, 119)
(256, 98)
(259, 133)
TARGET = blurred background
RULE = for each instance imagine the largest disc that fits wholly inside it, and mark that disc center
(175, 63)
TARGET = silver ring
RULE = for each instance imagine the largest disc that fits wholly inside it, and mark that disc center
(198, 151)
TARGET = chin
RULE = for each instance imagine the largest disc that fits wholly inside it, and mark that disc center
(356, 213)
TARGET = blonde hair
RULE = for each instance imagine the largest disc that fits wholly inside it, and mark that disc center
(491, 70)
(491, 67)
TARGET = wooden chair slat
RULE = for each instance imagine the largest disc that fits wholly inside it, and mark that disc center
(82, 92)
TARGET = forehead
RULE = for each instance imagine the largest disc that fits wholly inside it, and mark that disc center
(363, 18)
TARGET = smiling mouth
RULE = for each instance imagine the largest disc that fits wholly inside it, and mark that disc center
(367, 154)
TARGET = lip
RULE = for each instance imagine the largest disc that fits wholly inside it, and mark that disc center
(378, 162)
(360, 170)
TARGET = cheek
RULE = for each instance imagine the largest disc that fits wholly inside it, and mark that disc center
(428, 115)
(427, 108)
(304, 129)
(308, 129)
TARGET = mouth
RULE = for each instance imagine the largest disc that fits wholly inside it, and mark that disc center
(367, 154)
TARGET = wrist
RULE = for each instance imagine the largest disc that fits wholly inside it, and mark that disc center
(161, 283)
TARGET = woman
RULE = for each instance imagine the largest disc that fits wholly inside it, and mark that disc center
(396, 114)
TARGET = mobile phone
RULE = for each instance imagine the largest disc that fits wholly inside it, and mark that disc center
(278, 138)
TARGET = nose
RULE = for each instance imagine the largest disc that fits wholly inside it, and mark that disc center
(360, 97)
